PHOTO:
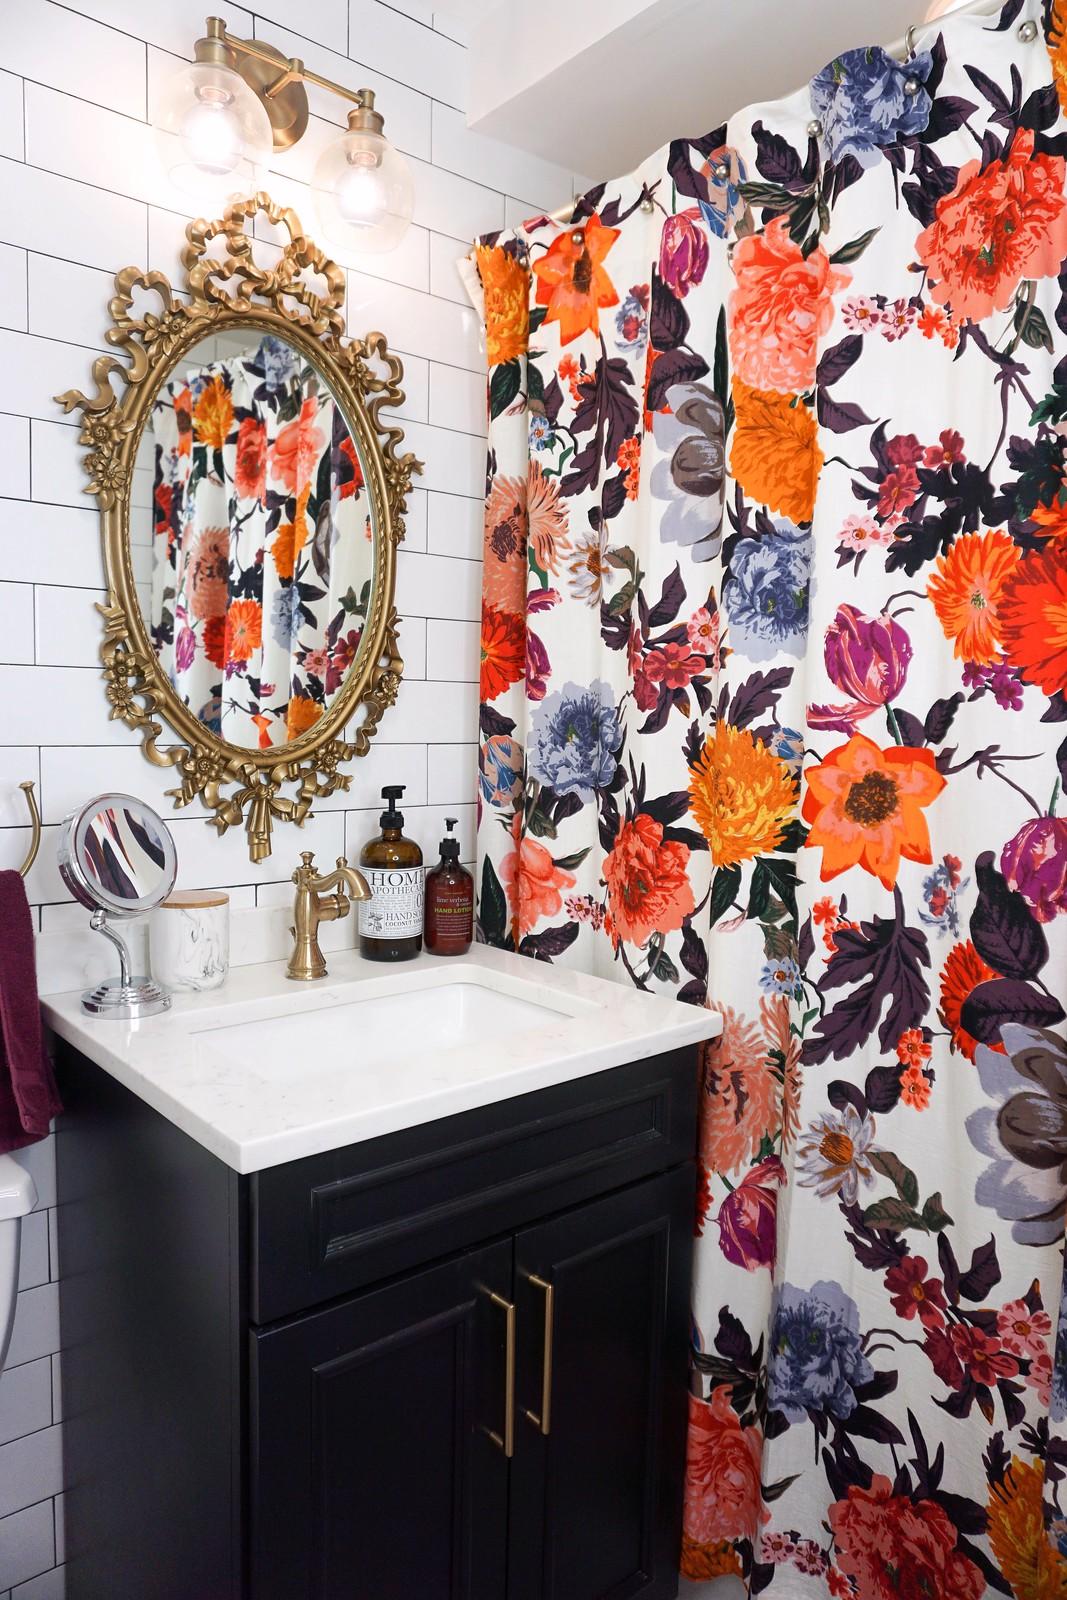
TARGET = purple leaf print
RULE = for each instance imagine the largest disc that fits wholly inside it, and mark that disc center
(1003, 929)
(884, 959)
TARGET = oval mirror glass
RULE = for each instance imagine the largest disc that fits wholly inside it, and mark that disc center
(252, 537)
(116, 855)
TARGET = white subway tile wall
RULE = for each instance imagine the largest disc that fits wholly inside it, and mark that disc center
(81, 197)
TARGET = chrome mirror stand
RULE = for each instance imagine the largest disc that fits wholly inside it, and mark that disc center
(132, 996)
(117, 857)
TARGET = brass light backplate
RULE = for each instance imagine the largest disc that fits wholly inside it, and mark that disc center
(222, 292)
(288, 109)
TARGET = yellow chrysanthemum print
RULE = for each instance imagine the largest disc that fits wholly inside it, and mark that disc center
(742, 796)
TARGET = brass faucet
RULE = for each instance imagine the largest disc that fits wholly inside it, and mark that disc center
(309, 910)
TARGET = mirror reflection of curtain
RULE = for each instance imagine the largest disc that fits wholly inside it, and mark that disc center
(259, 521)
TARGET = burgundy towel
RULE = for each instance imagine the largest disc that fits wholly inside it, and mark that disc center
(28, 1095)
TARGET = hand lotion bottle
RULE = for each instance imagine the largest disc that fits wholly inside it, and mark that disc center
(390, 922)
(449, 901)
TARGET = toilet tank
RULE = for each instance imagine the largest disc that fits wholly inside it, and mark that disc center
(17, 1197)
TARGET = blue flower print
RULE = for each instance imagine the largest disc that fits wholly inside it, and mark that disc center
(573, 740)
(631, 319)
(1059, 1366)
(863, 103)
(781, 977)
(788, 745)
(816, 1354)
(767, 595)
(278, 361)
(541, 435)
(285, 615)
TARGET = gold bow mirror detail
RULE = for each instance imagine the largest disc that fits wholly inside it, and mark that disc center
(252, 496)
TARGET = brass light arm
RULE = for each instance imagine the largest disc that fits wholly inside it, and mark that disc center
(280, 90)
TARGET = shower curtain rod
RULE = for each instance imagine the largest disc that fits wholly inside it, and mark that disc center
(902, 49)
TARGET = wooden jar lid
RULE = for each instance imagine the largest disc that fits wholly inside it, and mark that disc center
(191, 899)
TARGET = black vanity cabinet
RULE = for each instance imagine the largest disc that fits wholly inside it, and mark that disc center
(445, 1364)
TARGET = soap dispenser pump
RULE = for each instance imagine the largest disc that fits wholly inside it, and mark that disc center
(390, 922)
(449, 901)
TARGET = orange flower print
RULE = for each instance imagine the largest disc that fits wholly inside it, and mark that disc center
(349, 469)
(213, 414)
(723, 1498)
(865, 807)
(1050, 521)
(209, 573)
(648, 882)
(962, 973)
(301, 714)
(1019, 1536)
(291, 538)
(915, 1089)
(214, 640)
(1034, 620)
(629, 461)
(250, 467)
(571, 280)
(741, 796)
(244, 631)
(741, 1094)
(967, 588)
(504, 544)
(506, 286)
(912, 1048)
(775, 456)
(1000, 224)
(295, 454)
(503, 651)
(533, 883)
(780, 309)
(183, 416)
(546, 517)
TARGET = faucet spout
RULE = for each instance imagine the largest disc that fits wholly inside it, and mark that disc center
(314, 903)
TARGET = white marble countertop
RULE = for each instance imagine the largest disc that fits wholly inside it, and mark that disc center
(264, 1070)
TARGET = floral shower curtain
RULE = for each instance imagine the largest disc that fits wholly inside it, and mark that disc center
(261, 543)
(774, 658)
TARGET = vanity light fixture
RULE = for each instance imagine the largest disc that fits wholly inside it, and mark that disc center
(223, 113)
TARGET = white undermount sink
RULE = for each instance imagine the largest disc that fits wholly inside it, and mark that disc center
(381, 1030)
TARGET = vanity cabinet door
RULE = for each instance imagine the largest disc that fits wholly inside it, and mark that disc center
(596, 1501)
(373, 1472)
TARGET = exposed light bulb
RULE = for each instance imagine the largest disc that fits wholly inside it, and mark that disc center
(212, 133)
(363, 191)
(359, 191)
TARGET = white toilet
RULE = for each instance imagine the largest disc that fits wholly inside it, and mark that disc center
(17, 1197)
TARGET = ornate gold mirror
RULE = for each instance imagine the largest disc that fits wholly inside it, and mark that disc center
(252, 497)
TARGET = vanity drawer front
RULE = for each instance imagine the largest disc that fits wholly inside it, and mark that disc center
(337, 1222)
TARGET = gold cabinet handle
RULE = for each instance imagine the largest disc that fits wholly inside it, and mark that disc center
(544, 1421)
(507, 1442)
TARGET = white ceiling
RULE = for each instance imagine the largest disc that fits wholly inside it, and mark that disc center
(597, 85)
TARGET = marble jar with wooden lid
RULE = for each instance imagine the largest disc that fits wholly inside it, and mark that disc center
(189, 939)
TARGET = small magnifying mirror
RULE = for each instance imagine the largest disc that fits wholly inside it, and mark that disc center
(117, 857)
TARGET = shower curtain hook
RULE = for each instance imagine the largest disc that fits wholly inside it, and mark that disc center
(909, 41)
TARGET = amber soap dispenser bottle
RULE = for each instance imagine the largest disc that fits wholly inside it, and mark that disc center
(449, 901)
(390, 922)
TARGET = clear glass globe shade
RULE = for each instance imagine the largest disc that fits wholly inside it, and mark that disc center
(212, 134)
(363, 192)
